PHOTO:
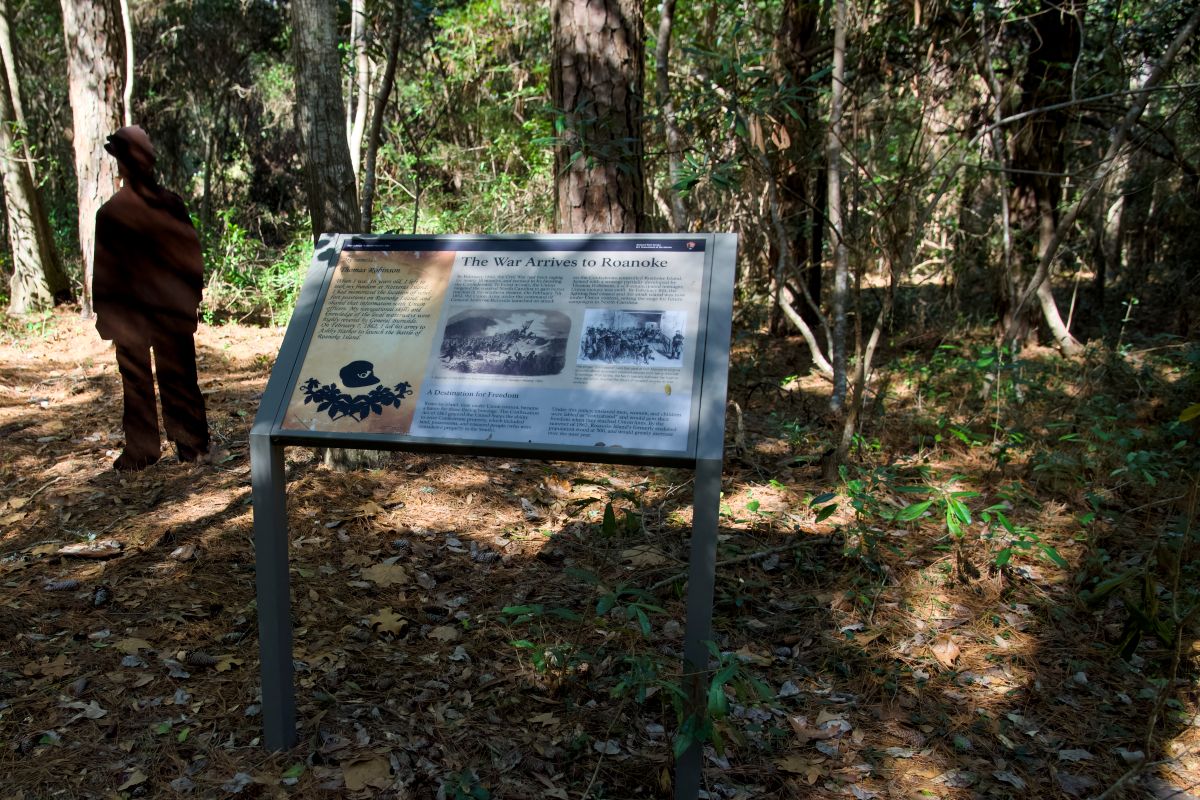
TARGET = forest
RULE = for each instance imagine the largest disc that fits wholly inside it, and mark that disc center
(959, 553)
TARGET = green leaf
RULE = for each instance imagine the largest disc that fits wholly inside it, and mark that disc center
(609, 526)
(643, 621)
(821, 498)
(519, 610)
(912, 511)
(1107, 587)
(1004, 556)
(1053, 555)
(1190, 413)
(752, 506)
(826, 512)
(182, 736)
(294, 771)
(718, 741)
(161, 728)
(958, 509)
(718, 703)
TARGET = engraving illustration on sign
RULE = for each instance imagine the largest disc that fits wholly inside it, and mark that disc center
(506, 342)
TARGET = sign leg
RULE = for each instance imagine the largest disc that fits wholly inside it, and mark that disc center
(702, 567)
(274, 601)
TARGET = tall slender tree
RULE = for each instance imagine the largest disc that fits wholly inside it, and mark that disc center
(360, 92)
(670, 125)
(324, 150)
(1055, 35)
(38, 279)
(596, 78)
(802, 189)
(320, 120)
(95, 55)
(381, 102)
(841, 255)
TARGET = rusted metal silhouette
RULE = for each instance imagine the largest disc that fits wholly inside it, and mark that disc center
(149, 273)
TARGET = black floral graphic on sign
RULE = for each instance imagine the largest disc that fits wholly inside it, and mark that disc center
(332, 400)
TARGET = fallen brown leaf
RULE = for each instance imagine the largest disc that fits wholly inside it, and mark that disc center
(945, 650)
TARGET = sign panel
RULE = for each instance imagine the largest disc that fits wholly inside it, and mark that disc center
(604, 348)
(556, 342)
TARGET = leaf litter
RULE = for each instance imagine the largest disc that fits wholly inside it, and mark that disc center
(410, 675)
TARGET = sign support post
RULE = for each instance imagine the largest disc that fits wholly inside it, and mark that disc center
(702, 560)
(273, 592)
(495, 372)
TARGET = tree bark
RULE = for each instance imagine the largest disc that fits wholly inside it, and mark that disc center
(381, 102)
(324, 152)
(14, 85)
(596, 77)
(841, 256)
(671, 133)
(95, 45)
(362, 80)
(1039, 159)
(38, 280)
(127, 94)
(802, 186)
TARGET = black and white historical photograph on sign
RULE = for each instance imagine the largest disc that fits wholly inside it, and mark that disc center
(506, 342)
(632, 337)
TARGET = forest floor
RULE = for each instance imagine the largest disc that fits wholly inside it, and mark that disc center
(474, 628)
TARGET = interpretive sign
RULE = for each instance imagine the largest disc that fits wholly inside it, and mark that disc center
(565, 343)
(589, 348)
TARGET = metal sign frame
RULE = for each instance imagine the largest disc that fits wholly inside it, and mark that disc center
(704, 455)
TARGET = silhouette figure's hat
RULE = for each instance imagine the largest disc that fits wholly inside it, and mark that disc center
(358, 373)
(132, 147)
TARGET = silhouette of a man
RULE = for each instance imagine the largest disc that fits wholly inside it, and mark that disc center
(146, 289)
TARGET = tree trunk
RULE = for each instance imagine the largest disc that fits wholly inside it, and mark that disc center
(381, 101)
(324, 153)
(1039, 159)
(801, 173)
(127, 94)
(37, 278)
(94, 44)
(596, 77)
(841, 256)
(671, 133)
(320, 122)
(1107, 229)
(14, 84)
(1109, 163)
(362, 79)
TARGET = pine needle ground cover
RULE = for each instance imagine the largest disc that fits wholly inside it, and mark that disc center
(995, 599)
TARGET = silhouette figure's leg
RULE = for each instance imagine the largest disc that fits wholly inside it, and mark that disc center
(183, 405)
(140, 418)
